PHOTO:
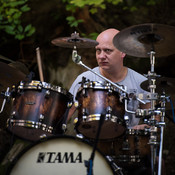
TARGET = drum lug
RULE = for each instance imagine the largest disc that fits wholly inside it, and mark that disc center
(64, 127)
(41, 117)
(109, 92)
(84, 113)
(69, 104)
(84, 93)
(76, 104)
(47, 94)
(13, 114)
(109, 110)
(126, 145)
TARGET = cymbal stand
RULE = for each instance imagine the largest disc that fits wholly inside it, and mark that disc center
(162, 124)
(153, 123)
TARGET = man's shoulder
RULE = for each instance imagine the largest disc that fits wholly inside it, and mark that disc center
(135, 73)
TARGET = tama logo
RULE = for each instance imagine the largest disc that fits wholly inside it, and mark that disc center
(59, 157)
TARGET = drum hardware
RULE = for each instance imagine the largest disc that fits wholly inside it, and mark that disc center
(6, 98)
(126, 118)
(116, 168)
(148, 40)
(47, 94)
(41, 118)
(153, 129)
(125, 144)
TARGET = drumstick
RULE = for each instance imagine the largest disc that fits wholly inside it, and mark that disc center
(39, 64)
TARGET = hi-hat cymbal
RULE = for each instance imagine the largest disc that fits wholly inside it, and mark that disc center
(162, 84)
(74, 40)
(9, 76)
(140, 40)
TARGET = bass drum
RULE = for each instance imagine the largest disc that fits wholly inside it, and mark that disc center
(59, 155)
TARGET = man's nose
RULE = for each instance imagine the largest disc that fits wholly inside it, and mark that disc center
(102, 55)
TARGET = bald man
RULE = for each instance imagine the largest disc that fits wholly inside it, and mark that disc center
(110, 65)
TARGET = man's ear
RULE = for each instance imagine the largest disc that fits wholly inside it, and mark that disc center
(123, 55)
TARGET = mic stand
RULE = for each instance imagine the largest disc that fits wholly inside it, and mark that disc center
(89, 163)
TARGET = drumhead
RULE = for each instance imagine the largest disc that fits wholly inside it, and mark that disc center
(59, 155)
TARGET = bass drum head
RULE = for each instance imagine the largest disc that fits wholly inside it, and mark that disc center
(59, 155)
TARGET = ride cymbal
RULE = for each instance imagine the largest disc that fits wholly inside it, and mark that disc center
(140, 40)
(74, 40)
(162, 84)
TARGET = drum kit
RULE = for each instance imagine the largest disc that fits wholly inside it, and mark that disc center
(39, 112)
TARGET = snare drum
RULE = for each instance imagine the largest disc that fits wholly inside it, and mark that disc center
(96, 100)
(38, 110)
(64, 155)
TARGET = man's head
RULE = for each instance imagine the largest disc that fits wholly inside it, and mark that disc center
(107, 55)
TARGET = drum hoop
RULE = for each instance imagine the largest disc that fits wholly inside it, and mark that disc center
(94, 117)
(38, 85)
(96, 85)
(30, 124)
(14, 161)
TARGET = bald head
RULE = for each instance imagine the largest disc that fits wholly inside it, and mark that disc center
(107, 35)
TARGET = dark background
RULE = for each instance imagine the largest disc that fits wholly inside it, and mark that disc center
(49, 20)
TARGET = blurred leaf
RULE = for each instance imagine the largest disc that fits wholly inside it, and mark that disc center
(25, 8)
(10, 29)
(31, 31)
(28, 28)
(20, 28)
(19, 36)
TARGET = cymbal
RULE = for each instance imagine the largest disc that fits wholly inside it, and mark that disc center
(162, 84)
(74, 40)
(9, 76)
(139, 40)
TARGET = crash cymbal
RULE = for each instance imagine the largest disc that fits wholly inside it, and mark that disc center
(9, 76)
(162, 84)
(74, 40)
(139, 40)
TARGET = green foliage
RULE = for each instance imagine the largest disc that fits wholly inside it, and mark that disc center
(93, 5)
(11, 12)
(91, 35)
(73, 22)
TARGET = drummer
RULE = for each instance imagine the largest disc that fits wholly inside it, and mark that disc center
(110, 65)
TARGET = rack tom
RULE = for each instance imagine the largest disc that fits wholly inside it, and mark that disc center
(100, 104)
(39, 109)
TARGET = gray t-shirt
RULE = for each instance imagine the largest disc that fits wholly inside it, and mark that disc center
(132, 82)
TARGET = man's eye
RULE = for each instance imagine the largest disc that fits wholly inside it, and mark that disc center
(108, 51)
(98, 50)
